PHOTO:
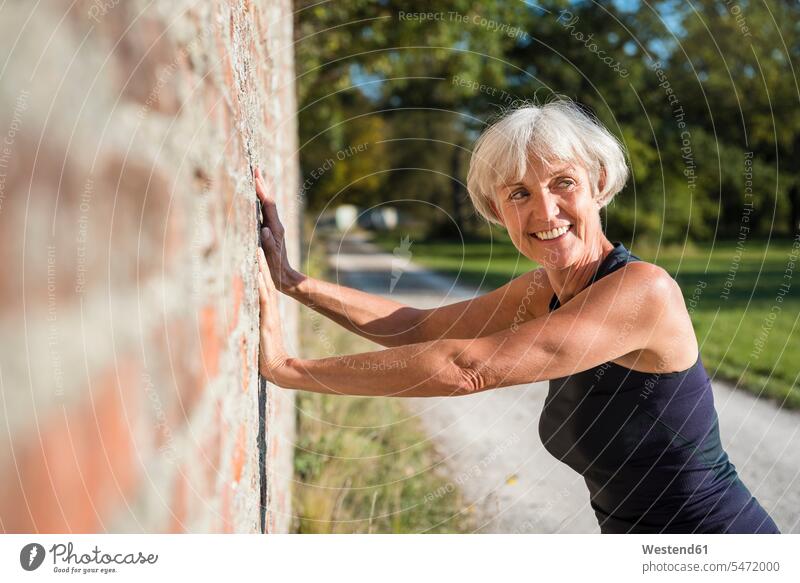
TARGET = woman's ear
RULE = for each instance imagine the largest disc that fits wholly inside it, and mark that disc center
(601, 184)
(601, 179)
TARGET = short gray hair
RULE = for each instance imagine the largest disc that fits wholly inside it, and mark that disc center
(557, 131)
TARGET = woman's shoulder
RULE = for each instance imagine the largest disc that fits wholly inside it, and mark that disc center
(655, 277)
(653, 288)
(674, 343)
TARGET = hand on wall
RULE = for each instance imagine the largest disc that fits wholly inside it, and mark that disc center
(283, 275)
(272, 354)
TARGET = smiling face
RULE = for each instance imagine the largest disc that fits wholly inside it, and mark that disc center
(536, 210)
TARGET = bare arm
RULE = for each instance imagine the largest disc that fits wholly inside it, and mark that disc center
(585, 332)
(390, 323)
(385, 321)
(382, 320)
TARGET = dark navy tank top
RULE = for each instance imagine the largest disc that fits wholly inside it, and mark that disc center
(648, 446)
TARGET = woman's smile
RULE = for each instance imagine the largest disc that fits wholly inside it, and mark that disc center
(552, 235)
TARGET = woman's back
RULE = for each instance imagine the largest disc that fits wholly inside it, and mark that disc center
(648, 446)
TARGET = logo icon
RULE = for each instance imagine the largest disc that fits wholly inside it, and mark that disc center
(31, 556)
(400, 261)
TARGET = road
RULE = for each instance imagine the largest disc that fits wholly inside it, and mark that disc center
(490, 440)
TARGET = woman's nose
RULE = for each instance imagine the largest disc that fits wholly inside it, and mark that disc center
(544, 207)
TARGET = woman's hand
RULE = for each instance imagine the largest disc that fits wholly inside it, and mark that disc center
(284, 277)
(272, 355)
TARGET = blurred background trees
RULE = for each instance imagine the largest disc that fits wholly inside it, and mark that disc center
(393, 95)
(702, 94)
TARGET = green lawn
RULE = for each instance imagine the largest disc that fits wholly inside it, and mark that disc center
(746, 335)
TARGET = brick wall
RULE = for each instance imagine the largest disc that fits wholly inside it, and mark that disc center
(130, 393)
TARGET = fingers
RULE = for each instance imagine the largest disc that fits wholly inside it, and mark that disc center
(263, 287)
(268, 207)
(263, 270)
(261, 188)
(263, 266)
(268, 245)
(267, 239)
(273, 247)
(263, 294)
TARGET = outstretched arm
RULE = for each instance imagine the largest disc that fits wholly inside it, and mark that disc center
(388, 322)
(587, 331)
(381, 320)
(376, 318)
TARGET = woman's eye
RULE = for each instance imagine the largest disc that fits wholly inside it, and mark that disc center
(566, 183)
(519, 192)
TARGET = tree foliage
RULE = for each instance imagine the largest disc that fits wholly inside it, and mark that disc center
(703, 95)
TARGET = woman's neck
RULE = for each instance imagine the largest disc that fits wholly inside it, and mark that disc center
(570, 281)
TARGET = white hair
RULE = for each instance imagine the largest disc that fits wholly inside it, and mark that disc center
(558, 131)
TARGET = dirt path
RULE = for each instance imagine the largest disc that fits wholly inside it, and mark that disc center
(490, 440)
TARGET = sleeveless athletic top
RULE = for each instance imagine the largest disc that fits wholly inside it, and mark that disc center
(648, 446)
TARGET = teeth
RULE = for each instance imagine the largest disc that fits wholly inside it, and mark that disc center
(552, 234)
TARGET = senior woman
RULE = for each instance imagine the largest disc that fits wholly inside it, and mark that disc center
(630, 405)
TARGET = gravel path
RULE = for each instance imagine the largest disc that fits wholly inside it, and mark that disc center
(490, 440)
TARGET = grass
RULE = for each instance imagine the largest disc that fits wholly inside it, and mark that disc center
(748, 335)
(364, 464)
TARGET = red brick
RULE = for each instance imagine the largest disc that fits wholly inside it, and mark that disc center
(237, 293)
(245, 363)
(179, 504)
(142, 222)
(79, 465)
(229, 79)
(141, 218)
(226, 514)
(175, 354)
(210, 341)
(239, 454)
(211, 450)
(148, 63)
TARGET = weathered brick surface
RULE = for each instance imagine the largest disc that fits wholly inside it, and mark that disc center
(129, 377)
